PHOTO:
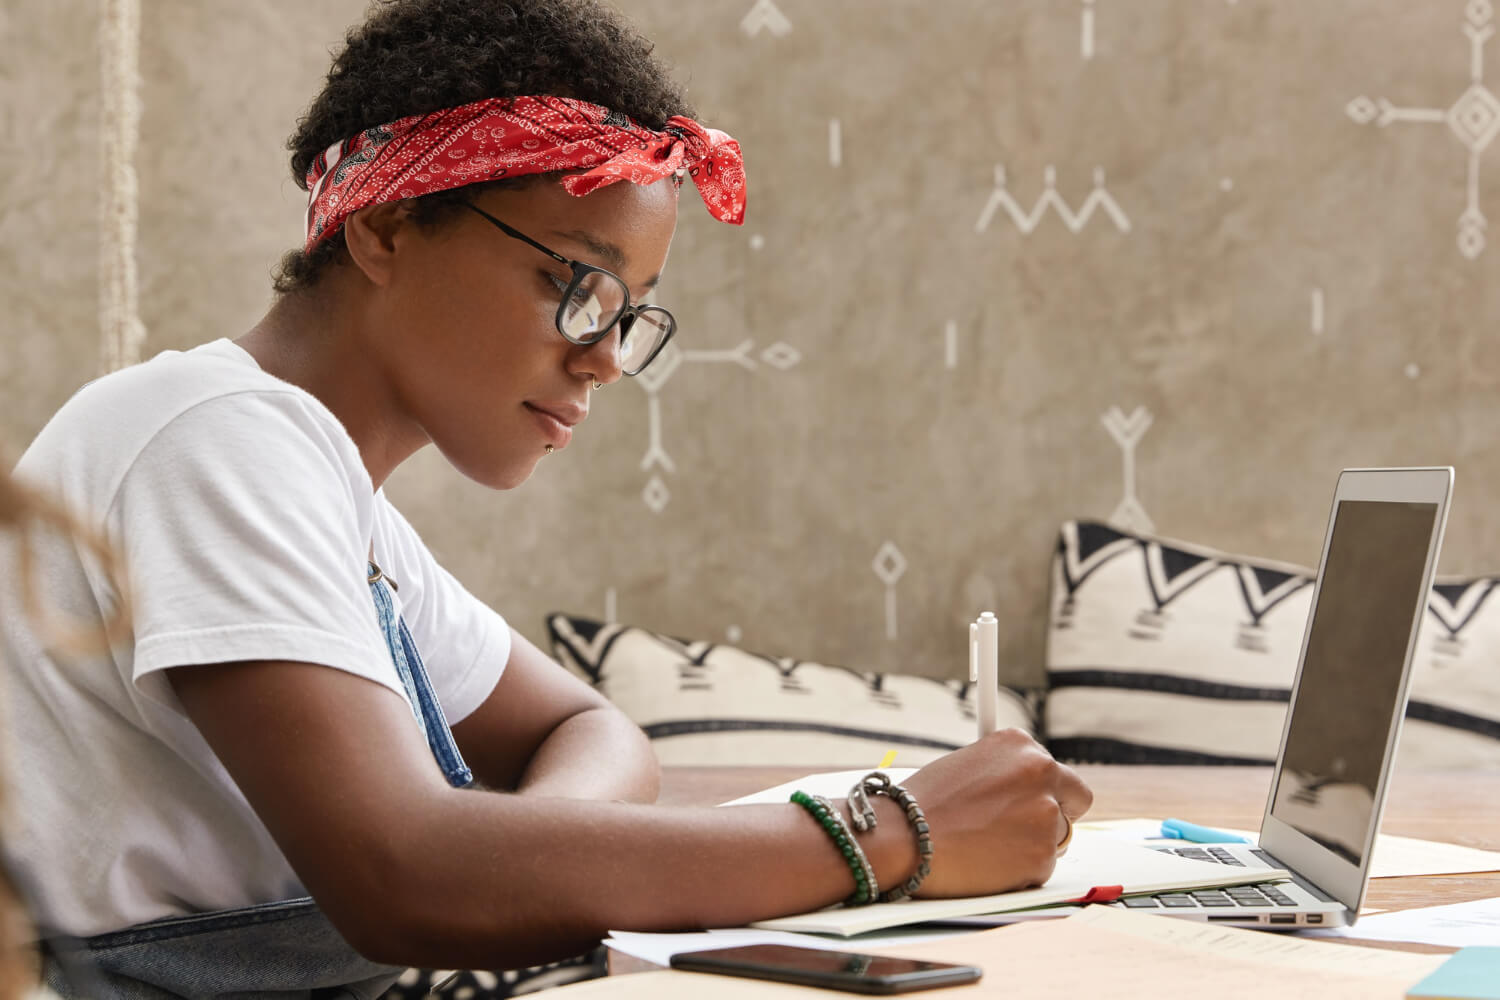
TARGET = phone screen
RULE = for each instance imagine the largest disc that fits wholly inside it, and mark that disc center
(844, 970)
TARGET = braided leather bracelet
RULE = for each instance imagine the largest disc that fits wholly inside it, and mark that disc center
(880, 783)
(831, 819)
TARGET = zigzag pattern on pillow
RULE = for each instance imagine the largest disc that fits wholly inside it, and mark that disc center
(710, 703)
(1164, 652)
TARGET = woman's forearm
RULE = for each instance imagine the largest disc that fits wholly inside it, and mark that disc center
(596, 754)
(504, 889)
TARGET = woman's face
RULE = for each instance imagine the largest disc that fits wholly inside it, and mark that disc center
(470, 344)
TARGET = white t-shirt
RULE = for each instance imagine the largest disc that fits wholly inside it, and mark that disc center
(245, 518)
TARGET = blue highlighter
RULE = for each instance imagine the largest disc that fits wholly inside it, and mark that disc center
(1180, 829)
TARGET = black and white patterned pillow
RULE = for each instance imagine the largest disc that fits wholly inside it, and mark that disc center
(1164, 652)
(1453, 718)
(709, 703)
(440, 984)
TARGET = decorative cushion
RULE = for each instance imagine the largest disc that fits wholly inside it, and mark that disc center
(1163, 652)
(708, 703)
(446, 984)
(1453, 718)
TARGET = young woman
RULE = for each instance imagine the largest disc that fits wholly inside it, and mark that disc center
(318, 759)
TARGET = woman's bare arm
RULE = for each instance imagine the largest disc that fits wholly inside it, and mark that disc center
(542, 731)
(414, 872)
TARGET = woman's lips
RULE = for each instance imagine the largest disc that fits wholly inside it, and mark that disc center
(554, 430)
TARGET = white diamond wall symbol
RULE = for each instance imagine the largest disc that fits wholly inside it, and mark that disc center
(1471, 235)
(781, 355)
(656, 495)
(1476, 117)
(1362, 110)
(889, 564)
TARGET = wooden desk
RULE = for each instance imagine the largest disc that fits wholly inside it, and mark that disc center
(1456, 807)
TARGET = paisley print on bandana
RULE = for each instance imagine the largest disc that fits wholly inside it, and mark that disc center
(513, 137)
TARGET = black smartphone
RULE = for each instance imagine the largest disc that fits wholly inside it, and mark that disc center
(834, 970)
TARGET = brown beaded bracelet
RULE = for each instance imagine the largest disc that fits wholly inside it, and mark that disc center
(880, 783)
(831, 819)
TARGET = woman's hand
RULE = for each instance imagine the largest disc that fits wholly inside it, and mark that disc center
(998, 809)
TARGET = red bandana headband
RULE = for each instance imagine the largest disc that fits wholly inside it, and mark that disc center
(513, 137)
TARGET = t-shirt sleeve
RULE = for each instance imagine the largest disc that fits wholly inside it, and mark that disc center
(463, 642)
(244, 525)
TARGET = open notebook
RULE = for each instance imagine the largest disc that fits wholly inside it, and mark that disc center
(1097, 867)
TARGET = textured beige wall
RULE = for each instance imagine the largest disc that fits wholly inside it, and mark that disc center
(1255, 197)
(49, 248)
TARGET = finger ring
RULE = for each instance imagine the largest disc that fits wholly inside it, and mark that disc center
(1062, 845)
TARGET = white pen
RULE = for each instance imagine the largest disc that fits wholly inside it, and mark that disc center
(984, 670)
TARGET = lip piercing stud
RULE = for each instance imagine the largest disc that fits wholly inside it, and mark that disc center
(550, 449)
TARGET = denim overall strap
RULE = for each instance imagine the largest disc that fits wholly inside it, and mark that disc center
(274, 951)
(270, 951)
(424, 702)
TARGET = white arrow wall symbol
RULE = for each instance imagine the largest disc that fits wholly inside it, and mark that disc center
(767, 15)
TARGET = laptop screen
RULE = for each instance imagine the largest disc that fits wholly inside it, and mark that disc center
(1351, 675)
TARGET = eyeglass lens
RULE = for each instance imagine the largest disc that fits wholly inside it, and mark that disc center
(594, 305)
(597, 301)
(642, 337)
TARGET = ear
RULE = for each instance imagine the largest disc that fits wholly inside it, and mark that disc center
(370, 235)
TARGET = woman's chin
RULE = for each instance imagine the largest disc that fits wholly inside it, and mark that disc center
(497, 472)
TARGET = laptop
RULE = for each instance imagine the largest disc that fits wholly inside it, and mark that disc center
(1348, 699)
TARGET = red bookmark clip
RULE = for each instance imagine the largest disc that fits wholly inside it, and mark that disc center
(1102, 894)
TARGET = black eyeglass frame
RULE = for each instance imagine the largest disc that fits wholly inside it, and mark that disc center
(625, 318)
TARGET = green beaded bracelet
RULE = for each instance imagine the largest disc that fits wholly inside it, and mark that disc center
(831, 819)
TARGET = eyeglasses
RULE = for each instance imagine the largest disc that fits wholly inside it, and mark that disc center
(594, 301)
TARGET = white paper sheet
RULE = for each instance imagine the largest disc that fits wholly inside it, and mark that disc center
(1092, 860)
(1395, 857)
(1456, 925)
(834, 784)
(659, 948)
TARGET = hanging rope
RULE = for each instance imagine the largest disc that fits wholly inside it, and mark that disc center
(121, 331)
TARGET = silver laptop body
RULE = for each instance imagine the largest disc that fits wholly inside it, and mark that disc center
(1347, 703)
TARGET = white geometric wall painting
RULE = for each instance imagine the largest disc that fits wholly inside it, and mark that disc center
(780, 355)
(1127, 432)
(1474, 118)
(1317, 311)
(950, 344)
(889, 565)
(1025, 221)
(121, 332)
(765, 15)
(835, 142)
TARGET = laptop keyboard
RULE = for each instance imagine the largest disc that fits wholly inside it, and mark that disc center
(1261, 894)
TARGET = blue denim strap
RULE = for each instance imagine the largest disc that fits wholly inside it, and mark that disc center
(424, 702)
(287, 950)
